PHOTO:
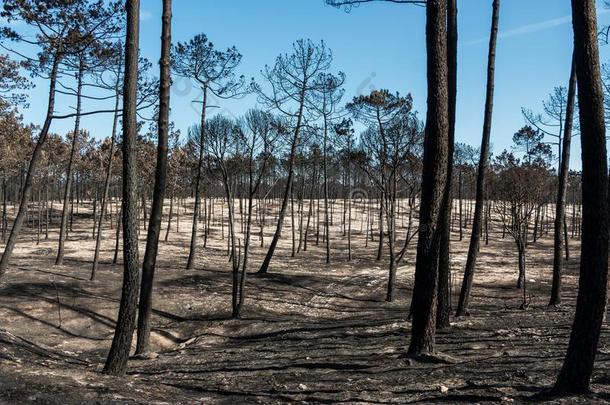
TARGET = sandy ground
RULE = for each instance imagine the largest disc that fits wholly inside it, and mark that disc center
(311, 332)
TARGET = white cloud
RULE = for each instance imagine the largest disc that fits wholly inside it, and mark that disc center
(145, 15)
(531, 28)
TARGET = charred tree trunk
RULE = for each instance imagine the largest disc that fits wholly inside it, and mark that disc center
(116, 364)
(380, 245)
(33, 166)
(434, 178)
(156, 213)
(234, 254)
(522, 280)
(460, 202)
(577, 368)
(477, 223)
(391, 218)
(560, 209)
(325, 169)
(565, 237)
(349, 209)
(444, 265)
(521, 255)
(98, 240)
(193, 248)
(287, 190)
(117, 238)
(4, 212)
(171, 214)
(73, 151)
(242, 281)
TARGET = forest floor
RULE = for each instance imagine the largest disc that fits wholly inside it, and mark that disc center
(311, 332)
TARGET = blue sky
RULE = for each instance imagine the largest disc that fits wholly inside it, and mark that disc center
(377, 45)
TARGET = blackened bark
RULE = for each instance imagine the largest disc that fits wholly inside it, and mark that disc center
(577, 368)
(381, 231)
(444, 264)
(68, 188)
(34, 161)
(460, 202)
(242, 281)
(156, 213)
(560, 209)
(171, 212)
(234, 253)
(117, 240)
(98, 240)
(349, 207)
(477, 221)
(116, 364)
(521, 255)
(4, 213)
(193, 249)
(521, 280)
(565, 237)
(325, 169)
(288, 189)
(391, 219)
(434, 177)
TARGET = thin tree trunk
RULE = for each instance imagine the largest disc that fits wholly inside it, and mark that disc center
(325, 169)
(280, 222)
(444, 265)
(39, 219)
(561, 193)
(156, 213)
(171, 214)
(98, 240)
(4, 214)
(46, 209)
(577, 368)
(565, 234)
(460, 202)
(521, 280)
(434, 178)
(242, 281)
(521, 255)
(193, 248)
(477, 223)
(292, 223)
(33, 166)
(94, 215)
(380, 245)
(117, 237)
(314, 181)
(391, 218)
(116, 364)
(349, 209)
(232, 246)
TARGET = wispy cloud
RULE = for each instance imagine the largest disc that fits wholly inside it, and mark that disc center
(531, 28)
(145, 15)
